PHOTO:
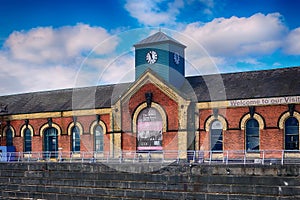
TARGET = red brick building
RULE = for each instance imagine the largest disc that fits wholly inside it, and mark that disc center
(161, 110)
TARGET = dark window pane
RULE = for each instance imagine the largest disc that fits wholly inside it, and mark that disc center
(252, 135)
(98, 134)
(216, 136)
(9, 137)
(291, 134)
(27, 140)
(50, 140)
(75, 139)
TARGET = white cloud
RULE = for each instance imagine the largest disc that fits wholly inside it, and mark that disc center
(251, 61)
(219, 45)
(47, 58)
(114, 69)
(148, 12)
(119, 70)
(257, 35)
(45, 44)
(16, 77)
(203, 65)
(292, 44)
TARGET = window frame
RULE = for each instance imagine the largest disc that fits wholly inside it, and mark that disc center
(75, 142)
(47, 135)
(216, 137)
(9, 140)
(250, 137)
(291, 135)
(27, 135)
(98, 138)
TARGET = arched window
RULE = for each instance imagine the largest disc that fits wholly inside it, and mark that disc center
(27, 140)
(252, 135)
(50, 139)
(149, 129)
(75, 141)
(98, 138)
(216, 136)
(9, 137)
(291, 130)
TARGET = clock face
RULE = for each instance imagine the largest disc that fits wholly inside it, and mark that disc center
(176, 58)
(151, 57)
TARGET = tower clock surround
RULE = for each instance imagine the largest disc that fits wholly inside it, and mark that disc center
(163, 55)
(151, 57)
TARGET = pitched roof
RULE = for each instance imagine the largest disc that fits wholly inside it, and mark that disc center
(230, 86)
(157, 38)
(59, 100)
(246, 85)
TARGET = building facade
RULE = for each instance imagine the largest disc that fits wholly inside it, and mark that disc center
(162, 110)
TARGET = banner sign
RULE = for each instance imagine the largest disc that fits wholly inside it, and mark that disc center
(265, 101)
(149, 128)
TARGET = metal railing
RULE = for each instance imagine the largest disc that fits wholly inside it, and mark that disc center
(266, 157)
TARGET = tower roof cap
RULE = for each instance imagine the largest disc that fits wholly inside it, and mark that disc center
(158, 37)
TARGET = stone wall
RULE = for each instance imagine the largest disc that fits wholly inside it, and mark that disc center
(89, 181)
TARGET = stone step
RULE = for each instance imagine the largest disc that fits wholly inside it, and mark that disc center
(59, 196)
(14, 194)
(125, 180)
(93, 181)
(155, 192)
(32, 185)
(235, 180)
(259, 180)
(133, 195)
(17, 198)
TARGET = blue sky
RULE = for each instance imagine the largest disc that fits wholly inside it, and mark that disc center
(53, 44)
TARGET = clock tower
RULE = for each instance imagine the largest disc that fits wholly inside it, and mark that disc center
(163, 55)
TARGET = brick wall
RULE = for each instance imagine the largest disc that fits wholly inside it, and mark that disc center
(271, 137)
(64, 140)
(169, 106)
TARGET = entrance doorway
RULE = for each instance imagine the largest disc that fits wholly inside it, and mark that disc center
(50, 143)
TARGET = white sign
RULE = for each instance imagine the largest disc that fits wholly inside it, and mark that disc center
(265, 101)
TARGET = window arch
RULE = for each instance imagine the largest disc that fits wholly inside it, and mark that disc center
(256, 116)
(153, 105)
(252, 126)
(98, 130)
(212, 118)
(291, 132)
(45, 126)
(75, 131)
(216, 136)
(50, 133)
(8, 133)
(149, 129)
(27, 133)
(252, 135)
